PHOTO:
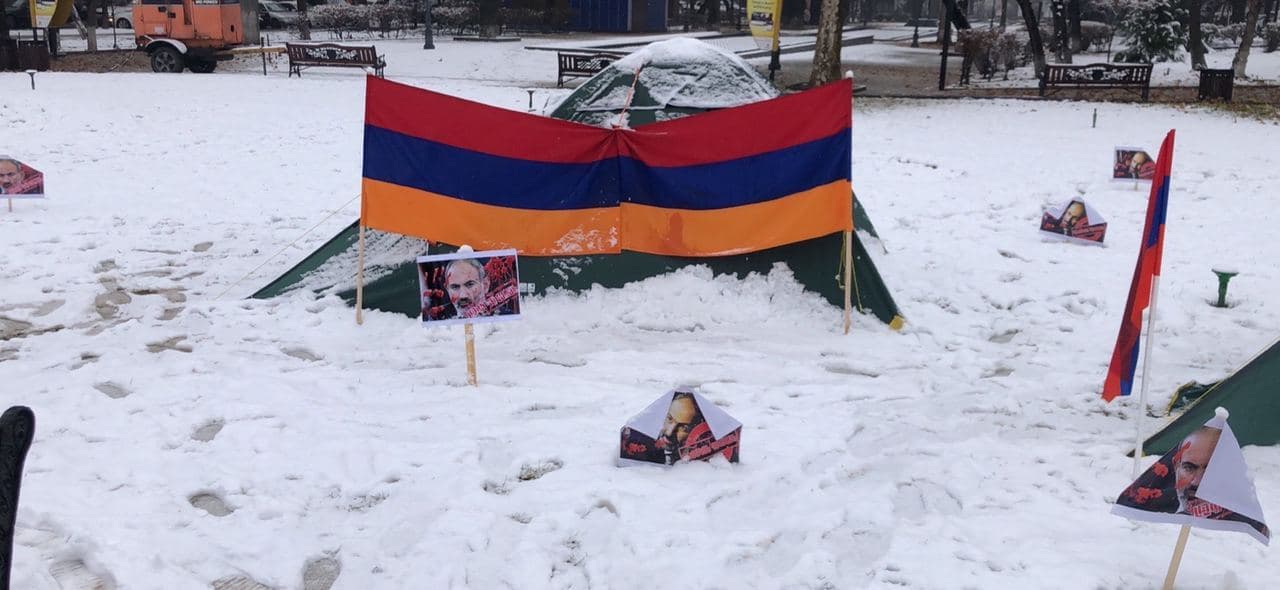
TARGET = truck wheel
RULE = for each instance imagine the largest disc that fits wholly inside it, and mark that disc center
(166, 60)
(202, 66)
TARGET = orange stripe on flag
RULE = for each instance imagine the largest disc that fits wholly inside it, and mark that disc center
(805, 215)
(402, 210)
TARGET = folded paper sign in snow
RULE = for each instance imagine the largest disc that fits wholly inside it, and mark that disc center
(1074, 221)
(681, 425)
(1203, 482)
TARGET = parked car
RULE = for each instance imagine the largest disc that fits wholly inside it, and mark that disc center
(16, 14)
(277, 14)
(121, 16)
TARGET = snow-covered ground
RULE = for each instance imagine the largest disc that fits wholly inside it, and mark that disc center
(191, 439)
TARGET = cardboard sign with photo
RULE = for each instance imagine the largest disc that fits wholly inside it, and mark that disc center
(1074, 221)
(469, 287)
(1133, 164)
(679, 426)
(19, 180)
(1203, 482)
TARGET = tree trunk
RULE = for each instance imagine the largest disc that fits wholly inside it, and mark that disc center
(1060, 36)
(488, 17)
(826, 55)
(428, 41)
(713, 13)
(1073, 24)
(4, 34)
(1238, 10)
(1033, 31)
(304, 22)
(1250, 29)
(1196, 40)
(91, 26)
(1004, 14)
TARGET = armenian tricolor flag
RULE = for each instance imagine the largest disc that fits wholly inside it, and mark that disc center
(718, 183)
(1125, 357)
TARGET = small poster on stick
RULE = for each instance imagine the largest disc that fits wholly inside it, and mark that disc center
(1133, 164)
(1075, 221)
(1203, 482)
(469, 287)
(20, 181)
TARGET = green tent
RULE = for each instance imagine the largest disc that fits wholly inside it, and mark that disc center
(677, 78)
(1251, 394)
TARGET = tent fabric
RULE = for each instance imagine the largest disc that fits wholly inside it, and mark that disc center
(712, 185)
(1251, 395)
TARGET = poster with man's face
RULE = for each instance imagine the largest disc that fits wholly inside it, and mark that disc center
(682, 429)
(1074, 221)
(469, 287)
(1133, 164)
(19, 180)
(1176, 490)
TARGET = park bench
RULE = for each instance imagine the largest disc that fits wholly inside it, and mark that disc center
(307, 55)
(582, 64)
(1135, 77)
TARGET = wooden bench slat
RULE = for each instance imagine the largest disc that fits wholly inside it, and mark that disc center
(582, 64)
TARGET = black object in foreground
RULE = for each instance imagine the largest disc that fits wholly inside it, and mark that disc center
(17, 428)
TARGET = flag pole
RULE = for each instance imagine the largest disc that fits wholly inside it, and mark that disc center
(1177, 557)
(848, 279)
(471, 354)
(360, 279)
(1146, 375)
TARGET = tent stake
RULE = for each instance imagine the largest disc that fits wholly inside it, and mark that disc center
(1177, 557)
(471, 354)
(848, 279)
(360, 280)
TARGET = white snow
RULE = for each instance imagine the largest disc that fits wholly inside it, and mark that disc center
(969, 450)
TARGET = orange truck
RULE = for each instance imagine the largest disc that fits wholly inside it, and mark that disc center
(187, 34)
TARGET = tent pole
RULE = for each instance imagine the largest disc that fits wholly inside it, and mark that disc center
(1146, 373)
(471, 354)
(848, 279)
(1177, 557)
(360, 280)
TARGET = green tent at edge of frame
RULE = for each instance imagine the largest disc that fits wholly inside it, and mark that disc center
(1251, 394)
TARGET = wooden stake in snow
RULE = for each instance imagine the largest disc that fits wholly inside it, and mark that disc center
(848, 280)
(1177, 557)
(360, 279)
(471, 354)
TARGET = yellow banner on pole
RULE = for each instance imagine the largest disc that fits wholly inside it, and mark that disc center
(49, 13)
(766, 17)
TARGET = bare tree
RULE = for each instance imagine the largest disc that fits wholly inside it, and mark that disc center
(1073, 24)
(1033, 31)
(91, 27)
(1196, 42)
(826, 54)
(304, 23)
(1060, 36)
(428, 41)
(1250, 29)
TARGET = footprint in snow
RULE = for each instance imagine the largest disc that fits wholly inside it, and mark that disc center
(174, 343)
(72, 574)
(207, 431)
(202, 247)
(302, 354)
(112, 390)
(320, 573)
(211, 504)
(239, 582)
